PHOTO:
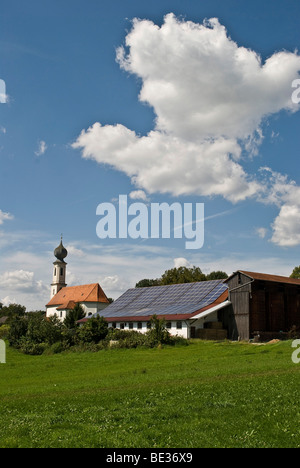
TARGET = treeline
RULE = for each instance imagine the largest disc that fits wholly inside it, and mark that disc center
(35, 335)
(182, 275)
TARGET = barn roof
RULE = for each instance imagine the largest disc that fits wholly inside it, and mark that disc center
(266, 277)
(173, 302)
(67, 297)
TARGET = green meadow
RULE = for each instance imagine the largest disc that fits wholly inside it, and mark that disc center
(206, 394)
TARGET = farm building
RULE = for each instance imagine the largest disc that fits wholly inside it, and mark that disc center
(262, 305)
(190, 310)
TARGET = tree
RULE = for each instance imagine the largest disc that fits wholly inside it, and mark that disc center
(146, 283)
(158, 331)
(296, 273)
(216, 275)
(73, 316)
(13, 310)
(93, 331)
(182, 275)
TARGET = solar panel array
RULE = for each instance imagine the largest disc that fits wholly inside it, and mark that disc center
(172, 299)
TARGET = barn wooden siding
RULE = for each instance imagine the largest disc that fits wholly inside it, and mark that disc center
(263, 304)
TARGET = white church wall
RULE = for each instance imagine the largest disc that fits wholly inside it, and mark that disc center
(51, 311)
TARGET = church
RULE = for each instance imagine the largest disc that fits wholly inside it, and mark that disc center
(63, 299)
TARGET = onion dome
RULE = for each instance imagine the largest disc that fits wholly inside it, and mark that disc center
(60, 252)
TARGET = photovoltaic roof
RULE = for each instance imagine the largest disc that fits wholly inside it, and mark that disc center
(173, 299)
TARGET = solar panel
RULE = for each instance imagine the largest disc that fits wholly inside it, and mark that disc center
(185, 298)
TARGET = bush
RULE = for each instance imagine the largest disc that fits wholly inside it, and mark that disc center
(35, 329)
(92, 331)
(4, 331)
(29, 347)
(18, 330)
(158, 333)
(56, 348)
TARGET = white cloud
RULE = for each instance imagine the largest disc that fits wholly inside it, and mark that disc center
(181, 262)
(284, 193)
(138, 195)
(262, 232)
(201, 83)
(5, 217)
(6, 301)
(169, 164)
(286, 226)
(211, 98)
(72, 250)
(42, 148)
(20, 280)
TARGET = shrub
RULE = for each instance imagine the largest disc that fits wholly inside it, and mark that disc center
(29, 347)
(35, 329)
(92, 331)
(57, 348)
(4, 331)
(18, 329)
(158, 333)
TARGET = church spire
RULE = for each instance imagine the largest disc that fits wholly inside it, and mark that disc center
(60, 267)
(60, 252)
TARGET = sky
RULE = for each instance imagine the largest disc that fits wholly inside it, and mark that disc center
(166, 102)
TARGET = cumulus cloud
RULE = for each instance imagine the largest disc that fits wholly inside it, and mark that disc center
(21, 281)
(283, 192)
(210, 97)
(181, 262)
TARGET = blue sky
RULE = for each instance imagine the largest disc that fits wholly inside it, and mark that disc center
(58, 60)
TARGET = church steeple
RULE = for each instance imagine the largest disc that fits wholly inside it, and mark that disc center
(59, 271)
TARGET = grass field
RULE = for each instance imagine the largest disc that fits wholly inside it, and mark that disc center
(203, 395)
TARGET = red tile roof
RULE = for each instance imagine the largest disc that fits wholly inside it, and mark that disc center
(71, 295)
(273, 278)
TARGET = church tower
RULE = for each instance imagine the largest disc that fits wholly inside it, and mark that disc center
(59, 271)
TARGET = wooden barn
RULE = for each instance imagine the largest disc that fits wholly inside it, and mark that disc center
(264, 306)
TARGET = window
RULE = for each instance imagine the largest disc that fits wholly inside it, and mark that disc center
(114, 325)
(179, 325)
(169, 325)
(54, 271)
(149, 325)
(130, 325)
(122, 326)
(61, 272)
(140, 325)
